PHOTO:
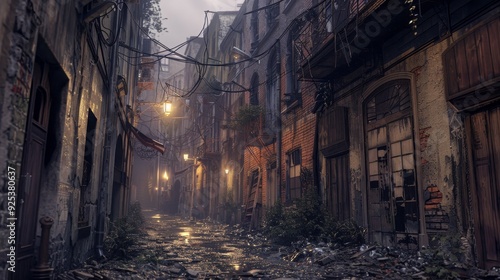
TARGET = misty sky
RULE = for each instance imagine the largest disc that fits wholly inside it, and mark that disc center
(185, 17)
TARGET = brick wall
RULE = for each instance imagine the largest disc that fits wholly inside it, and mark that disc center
(436, 219)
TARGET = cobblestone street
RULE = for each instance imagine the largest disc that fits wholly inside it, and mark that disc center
(177, 248)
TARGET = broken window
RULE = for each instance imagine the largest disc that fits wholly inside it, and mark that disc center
(392, 192)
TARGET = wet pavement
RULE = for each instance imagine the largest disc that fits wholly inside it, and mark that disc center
(176, 248)
(205, 249)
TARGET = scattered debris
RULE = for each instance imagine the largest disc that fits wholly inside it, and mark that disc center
(207, 250)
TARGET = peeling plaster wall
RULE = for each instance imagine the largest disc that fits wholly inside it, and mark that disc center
(12, 109)
(59, 36)
(438, 149)
(434, 135)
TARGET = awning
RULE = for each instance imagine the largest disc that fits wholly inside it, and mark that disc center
(146, 141)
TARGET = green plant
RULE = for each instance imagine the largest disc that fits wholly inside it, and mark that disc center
(124, 233)
(448, 249)
(307, 218)
(152, 20)
(343, 232)
(245, 116)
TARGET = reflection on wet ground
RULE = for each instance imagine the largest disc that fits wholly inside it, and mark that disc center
(176, 248)
(213, 250)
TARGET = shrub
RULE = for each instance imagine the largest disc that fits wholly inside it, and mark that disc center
(344, 232)
(307, 219)
(124, 233)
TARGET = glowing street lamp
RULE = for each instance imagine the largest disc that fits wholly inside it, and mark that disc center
(167, 107)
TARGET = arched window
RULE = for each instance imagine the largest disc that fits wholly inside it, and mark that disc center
(391, 166)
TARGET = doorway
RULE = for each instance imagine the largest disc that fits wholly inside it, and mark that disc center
(484, 138)
(32, 168)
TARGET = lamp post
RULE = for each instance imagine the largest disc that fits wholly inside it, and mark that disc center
(165, 176)
(193, 188)
(226, 193)
(167, 109)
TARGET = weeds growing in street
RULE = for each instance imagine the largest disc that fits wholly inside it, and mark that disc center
(125, 233)
(308, 219)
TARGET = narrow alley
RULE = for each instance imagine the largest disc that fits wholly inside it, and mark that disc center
(259, 139)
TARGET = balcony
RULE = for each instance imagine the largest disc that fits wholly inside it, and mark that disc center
(210, 149)
(331, 39)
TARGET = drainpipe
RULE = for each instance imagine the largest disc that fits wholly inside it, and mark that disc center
(109, 138)
(316, 173)
(278, 137)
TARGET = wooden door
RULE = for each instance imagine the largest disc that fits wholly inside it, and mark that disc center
(338, 194)
(32, 170)
(485, 148)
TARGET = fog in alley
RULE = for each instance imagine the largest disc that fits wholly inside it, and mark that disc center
(250, 139)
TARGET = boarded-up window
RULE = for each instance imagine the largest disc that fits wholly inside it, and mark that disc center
(333, 131)
(472, 65)
(294, 163)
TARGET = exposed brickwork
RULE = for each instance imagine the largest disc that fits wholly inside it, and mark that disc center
(435, 217)
(296, 127)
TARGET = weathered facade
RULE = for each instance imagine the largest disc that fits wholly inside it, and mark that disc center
(408, 118)
(62, 82)
(278, 146)
(206, 108)
(392, 106)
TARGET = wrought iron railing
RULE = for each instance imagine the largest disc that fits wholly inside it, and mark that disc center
(329, 21)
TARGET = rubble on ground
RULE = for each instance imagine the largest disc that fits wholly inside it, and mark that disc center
(215, 251)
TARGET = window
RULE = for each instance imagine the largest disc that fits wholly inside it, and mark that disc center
(164, 65)
(391, 165)
(272, 93)
(272, 14)
(293, 57)
(40, 108)
(389, 99)
(85, 188)
(254, 26)
(254, 90)
(294, 186)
